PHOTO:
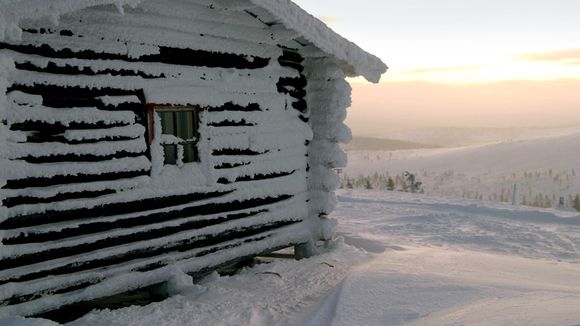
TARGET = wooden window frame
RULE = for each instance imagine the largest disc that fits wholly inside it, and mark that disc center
(153, 108)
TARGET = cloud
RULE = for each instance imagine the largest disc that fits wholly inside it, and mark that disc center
(441, 69)
(559, 56)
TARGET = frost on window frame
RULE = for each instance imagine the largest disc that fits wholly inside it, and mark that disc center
(177, 132)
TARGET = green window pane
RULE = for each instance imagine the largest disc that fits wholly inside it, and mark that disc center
(189, 153)
(184, 124)
(170, 154)
(167, 122)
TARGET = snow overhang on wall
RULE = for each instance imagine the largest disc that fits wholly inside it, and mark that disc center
(353, 60)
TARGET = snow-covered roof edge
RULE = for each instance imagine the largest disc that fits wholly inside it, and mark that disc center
(290, 15)
(318, 33)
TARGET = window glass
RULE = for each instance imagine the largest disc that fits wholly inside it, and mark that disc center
(170, 154)
(184, 124)
(167, 122)
(179, 132)
(189, 152)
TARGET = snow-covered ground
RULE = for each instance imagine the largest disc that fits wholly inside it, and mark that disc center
(400, 259)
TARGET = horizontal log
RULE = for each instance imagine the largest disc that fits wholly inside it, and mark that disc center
(93, 280)
(52, 68)
(169, 55)
(256, 177)
(105, 243)
(68, 179)
(117, 185)
(124, 207)
(73, 93)
(194, 261)
(56, 128)
(79, 157)
(30, 200)
(236, 152)
(40, 137)
(291, 56)
(231, 123)
(75, 267)
(226, 165)
(231, 107)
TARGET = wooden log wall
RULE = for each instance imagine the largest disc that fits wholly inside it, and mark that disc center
(88, 210)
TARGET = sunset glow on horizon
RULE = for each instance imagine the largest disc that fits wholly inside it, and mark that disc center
(455, 60)
(462, 41)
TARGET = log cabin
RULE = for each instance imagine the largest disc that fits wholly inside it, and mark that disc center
(140, 136)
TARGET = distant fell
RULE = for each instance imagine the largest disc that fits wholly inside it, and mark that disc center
(381, 144)
(466, 136)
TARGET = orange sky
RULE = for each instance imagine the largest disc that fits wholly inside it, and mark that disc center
(494, 104)
(480, 63)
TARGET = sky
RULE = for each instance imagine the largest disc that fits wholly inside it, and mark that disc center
(475, 63)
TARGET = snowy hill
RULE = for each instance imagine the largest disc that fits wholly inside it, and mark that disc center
(381, 144)
(544, 166)
(404, 260)
(558, 153)
(465, 136)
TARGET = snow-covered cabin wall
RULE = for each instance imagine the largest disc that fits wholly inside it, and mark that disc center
(138, 139)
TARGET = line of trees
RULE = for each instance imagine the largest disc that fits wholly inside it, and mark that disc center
(406, 182)
(409, 183)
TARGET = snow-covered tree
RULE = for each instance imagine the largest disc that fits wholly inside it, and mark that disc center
(411, 184)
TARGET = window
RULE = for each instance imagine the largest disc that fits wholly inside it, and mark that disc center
(178, 132)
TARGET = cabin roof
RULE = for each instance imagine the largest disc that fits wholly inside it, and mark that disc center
(358, 61)
(354, 60)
